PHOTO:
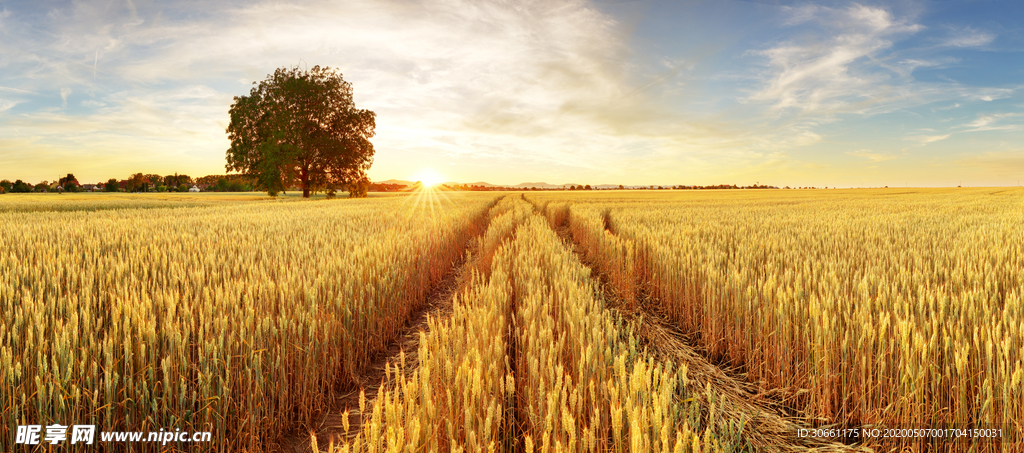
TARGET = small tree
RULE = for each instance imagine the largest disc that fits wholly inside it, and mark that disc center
(69, 183)
(175, 180)
(111, 185)
(136, 182)
(359, 188)
(154, 180)
(21, 187)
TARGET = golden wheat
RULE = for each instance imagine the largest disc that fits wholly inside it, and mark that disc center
(235, 319)
(584, 385)
(559, 374)
(871, 308)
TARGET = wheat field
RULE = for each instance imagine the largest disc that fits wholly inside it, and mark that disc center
(839, 309)
(865, 308)
(232, 318)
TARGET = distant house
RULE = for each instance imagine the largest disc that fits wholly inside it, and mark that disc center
(194, 189)
(90, 187)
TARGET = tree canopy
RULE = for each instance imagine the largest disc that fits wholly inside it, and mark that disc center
(301, 127)
(69, 183)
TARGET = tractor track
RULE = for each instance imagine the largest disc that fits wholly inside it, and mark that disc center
(438, 305)
(768, 427)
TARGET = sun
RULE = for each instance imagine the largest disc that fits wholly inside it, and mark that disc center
(429, 177)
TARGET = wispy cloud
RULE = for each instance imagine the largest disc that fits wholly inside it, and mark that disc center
(948, 107)
(548, 88)
(7, 104)
(525, 81)
(838, 71)
(542, 83)
(17, 91)
(969, 37)
(926, 139)
(987, 123)
(64, 93)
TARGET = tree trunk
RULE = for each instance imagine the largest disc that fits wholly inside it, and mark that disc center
(305, 182)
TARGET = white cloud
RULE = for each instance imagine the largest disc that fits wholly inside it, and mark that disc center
(6, 104)
(548, 85)
(986, 123)
(64, 93)
(926, 139)
(835, 73)
(969, 38)
(16, 90)
(524, 80)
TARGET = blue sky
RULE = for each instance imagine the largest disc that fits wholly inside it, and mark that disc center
(648, 92)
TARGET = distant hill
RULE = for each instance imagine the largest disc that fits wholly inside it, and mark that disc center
(539, 185)
(395, 181)
(544, 185)
(522, 185)
(478, 183)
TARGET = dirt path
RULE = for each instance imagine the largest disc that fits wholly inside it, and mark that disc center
(766, 427)
(438, 305)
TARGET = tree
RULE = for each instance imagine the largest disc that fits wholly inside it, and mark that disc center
(300, 127)
(208, 179)
(111, 185)
(41, 187)
(6, 185)
(586, 187)
(21, 187)
(69, 183)
(153, 180)
(136, 183)
(175, 180)
(358, 189)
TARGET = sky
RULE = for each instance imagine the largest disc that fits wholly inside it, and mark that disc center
(845, 94)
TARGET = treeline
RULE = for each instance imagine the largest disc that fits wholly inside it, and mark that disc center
(381, 187)
(138, 182)
(469, 187)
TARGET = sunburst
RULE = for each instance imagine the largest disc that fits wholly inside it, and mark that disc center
(427, 199)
